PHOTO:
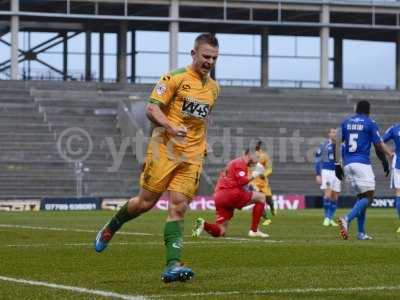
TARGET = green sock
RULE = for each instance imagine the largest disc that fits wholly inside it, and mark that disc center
(122, 216)
(173, 232)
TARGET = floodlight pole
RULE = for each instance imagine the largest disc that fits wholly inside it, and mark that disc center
(133, 56)
(101, 56)
(65, 55)
(88, 55)
(324, 55)
(338, 62)
(121, 58)
(264, 58)
(173, 35)
(14, 39)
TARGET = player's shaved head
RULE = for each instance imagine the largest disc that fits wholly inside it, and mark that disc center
(206, 38)
(258, 145)
(363, 107)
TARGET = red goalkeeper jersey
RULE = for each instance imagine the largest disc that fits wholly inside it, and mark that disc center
(235, 175)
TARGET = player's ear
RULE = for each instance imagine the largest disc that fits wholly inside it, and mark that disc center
(192, 52)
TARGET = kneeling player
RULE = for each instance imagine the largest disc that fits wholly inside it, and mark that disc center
(232, 192)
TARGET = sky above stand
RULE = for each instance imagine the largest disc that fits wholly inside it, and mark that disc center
(365, 63)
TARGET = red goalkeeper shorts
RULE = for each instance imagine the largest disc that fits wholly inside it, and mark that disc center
(226, 201)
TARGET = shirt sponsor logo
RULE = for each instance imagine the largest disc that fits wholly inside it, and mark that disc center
(193, 108)
(186, 87)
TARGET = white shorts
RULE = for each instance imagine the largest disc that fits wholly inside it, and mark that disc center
(395, 179)
(329, 180)
(360, 176)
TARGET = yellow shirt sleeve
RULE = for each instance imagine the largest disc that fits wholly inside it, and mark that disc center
(164, 90)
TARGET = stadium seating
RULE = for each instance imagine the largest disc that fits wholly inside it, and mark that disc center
(34, 115)
(276, 114)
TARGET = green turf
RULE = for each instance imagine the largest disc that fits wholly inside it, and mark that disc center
(301, 254)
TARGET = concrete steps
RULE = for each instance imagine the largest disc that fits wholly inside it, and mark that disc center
(34, 114)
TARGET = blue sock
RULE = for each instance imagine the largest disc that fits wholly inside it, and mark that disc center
(326, 203)
(361, 221)
(360, 205)
(332, 209)
(398, 205)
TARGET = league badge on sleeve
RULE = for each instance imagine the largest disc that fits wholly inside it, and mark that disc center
(161, 88)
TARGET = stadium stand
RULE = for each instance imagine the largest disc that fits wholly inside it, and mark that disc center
(35, 114)
(276, 114)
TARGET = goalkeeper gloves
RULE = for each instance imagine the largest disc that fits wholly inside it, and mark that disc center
(339, 171)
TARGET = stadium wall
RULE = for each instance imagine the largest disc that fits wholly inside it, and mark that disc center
(200, 203)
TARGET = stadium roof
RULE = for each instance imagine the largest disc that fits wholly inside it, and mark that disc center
(369, 20)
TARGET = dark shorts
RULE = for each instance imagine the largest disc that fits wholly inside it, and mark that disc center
(226, 201)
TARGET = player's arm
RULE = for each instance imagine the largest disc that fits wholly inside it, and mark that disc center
(162, 95)
(381, 149)
(338, 154)
(382, 152)
(155, 114)
(388, 135)
(318, 161)
(268, 166)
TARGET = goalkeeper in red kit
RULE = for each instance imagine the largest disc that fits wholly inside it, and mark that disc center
(233, 192)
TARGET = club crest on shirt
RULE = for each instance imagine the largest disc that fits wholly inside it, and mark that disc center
(161, 88)
(192, 107)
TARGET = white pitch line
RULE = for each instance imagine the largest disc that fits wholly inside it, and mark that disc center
(73, 289)
(281, 291)
(267, 240)
(83, 244)
(68, 229)
(132, 233)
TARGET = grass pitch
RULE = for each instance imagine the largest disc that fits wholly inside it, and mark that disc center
(301, 260)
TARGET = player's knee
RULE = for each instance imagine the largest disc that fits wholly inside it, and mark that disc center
(258, 197)
(334, 196)
(329, 193)
(138, 205)
(178, 210)
(145, 201)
